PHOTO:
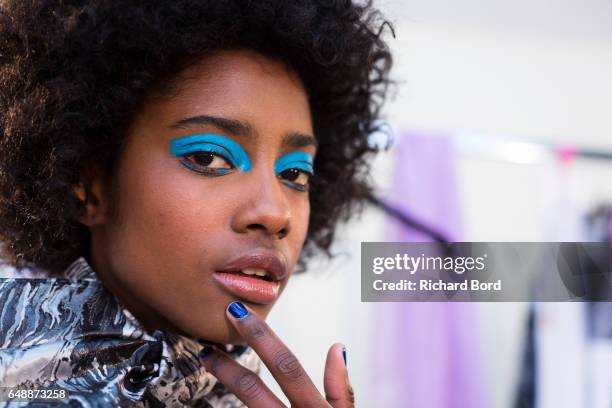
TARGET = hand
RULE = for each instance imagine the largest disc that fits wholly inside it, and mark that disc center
(283, 365)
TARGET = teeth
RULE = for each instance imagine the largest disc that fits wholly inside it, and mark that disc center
(254, 271)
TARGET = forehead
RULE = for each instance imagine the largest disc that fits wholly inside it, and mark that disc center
(243, 85)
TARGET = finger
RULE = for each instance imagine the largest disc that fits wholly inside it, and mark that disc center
(281, 362)
(338, 390)
(239, 380)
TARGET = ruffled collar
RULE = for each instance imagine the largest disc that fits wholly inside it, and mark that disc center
(72, 333)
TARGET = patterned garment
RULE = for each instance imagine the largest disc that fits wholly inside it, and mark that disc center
(71, 333)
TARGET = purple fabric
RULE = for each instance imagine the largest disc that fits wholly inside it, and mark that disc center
(434, 359)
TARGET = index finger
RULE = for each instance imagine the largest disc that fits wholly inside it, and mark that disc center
(282, 363)
(243, 383)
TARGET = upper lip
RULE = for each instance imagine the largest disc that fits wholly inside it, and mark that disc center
(272, 262)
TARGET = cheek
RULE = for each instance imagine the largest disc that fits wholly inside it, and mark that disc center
(300, 216)
(165, 215)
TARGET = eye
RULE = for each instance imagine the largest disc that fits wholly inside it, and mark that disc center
(296, 178)
(207, 163)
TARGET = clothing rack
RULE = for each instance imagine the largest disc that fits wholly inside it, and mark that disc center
(524, 151)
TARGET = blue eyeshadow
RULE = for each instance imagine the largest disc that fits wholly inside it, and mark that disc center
(215, 144)
(294, 160)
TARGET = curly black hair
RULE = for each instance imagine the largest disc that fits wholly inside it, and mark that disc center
(73, 74)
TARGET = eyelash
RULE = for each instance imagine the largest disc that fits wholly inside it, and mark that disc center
(221, 172)
(299, 187)
(191, 165)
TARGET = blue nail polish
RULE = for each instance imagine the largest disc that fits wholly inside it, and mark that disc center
(237, 310)
(344, 355)
(205, 352)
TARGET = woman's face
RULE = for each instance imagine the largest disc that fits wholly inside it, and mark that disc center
(211, 179)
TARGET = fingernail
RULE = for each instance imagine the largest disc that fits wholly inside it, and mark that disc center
(237, 310)
(344, 355)
(205, 352)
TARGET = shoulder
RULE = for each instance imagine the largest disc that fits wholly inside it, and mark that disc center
(35, 310)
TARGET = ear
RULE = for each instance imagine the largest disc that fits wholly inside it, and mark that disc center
(94, 201)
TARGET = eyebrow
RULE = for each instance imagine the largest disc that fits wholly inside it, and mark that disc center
(239, 128)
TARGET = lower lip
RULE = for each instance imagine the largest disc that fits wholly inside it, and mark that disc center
(248, 288)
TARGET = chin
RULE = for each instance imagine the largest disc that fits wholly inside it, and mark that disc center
(222, 332)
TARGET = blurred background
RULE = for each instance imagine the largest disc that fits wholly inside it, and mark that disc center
(501, 125)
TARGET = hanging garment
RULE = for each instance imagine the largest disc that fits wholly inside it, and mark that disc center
(568, 352)
(436, 359)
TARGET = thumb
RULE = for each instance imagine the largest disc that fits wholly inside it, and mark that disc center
(338, 390)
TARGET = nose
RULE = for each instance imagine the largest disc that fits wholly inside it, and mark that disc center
(264, 207)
